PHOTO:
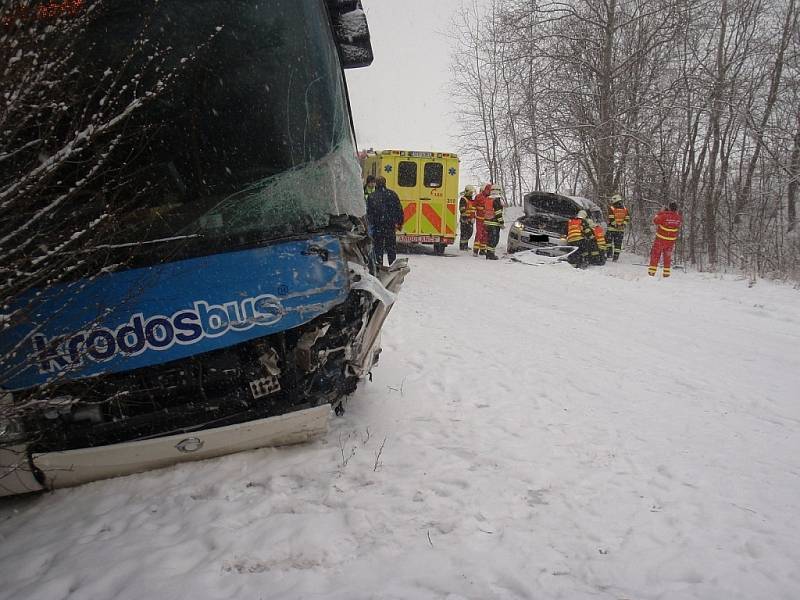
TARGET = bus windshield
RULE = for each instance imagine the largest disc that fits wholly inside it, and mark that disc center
(239, 131)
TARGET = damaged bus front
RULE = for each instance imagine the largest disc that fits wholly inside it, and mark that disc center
(213, 288)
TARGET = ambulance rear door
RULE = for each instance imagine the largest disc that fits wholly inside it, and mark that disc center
(433, 203)
(407, 182)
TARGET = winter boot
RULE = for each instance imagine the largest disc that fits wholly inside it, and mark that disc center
(481, 252)
(474, 251)
(490, 255)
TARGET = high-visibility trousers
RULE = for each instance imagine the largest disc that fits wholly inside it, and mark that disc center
(614, 243)
(480, 235)
(492, 237)
(661, 249)
(466, 233)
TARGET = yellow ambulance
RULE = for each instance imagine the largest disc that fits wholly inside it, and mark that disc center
(427, 183)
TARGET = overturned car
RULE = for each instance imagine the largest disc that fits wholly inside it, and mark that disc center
(187, 265)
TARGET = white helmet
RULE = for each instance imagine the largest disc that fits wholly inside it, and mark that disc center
(582, 214)
(470, 189)
(616, 198)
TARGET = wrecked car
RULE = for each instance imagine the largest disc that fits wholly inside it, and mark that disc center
(545, 220)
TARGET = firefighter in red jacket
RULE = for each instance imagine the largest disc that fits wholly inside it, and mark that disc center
(668, 223)
(479, 247)
(580, 234)
(618, 219)
(493, 222)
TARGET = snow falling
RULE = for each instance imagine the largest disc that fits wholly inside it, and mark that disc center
(530, 432)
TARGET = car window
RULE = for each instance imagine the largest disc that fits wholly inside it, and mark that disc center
(567, 207)
(407, 173)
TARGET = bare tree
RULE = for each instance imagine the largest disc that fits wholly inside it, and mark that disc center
(73, 146)
(661, 100)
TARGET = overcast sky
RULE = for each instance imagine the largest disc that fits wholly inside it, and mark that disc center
(401, 101)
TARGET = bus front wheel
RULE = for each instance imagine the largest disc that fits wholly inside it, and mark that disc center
(439, 248)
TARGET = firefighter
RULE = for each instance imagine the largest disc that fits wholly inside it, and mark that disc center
(479, 247)
(597, 255)
(493, 221)
(580, 234)
(385, 216)
(466, 212)
(668, 223)
(618, 219)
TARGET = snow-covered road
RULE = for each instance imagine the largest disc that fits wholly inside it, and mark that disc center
(530, 432)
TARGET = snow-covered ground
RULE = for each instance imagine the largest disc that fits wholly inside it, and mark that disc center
(531, 432)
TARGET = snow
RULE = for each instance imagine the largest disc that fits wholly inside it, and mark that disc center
(546, 432)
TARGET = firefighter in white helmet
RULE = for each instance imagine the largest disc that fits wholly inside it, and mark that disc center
(618, 219)
(466, 213)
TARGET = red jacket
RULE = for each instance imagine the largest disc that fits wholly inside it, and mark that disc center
(481, 201)
(668, 223)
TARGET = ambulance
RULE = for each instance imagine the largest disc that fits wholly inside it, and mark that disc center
(427, 183)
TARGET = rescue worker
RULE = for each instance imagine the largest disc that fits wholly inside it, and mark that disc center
(580, 234)
(385, 216)
(369, 186)
(618, 219)
(493, 221)
(668, 223)
(479, 247)
(466, 212)
(597, 254)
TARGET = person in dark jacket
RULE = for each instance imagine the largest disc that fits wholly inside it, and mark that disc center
(385, 216)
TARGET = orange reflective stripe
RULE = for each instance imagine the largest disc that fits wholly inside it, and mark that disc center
(574, 230)
(409, 211)
(432, 217)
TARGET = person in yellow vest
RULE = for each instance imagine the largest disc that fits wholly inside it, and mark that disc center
(597, 254)
(580, 234)
(618, 219)
(466, 213)
(493, 221)
(369, 187)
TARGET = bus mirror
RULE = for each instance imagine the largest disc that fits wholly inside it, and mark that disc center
(351, 33)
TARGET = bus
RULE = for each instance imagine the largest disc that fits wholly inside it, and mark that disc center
(186, 262)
